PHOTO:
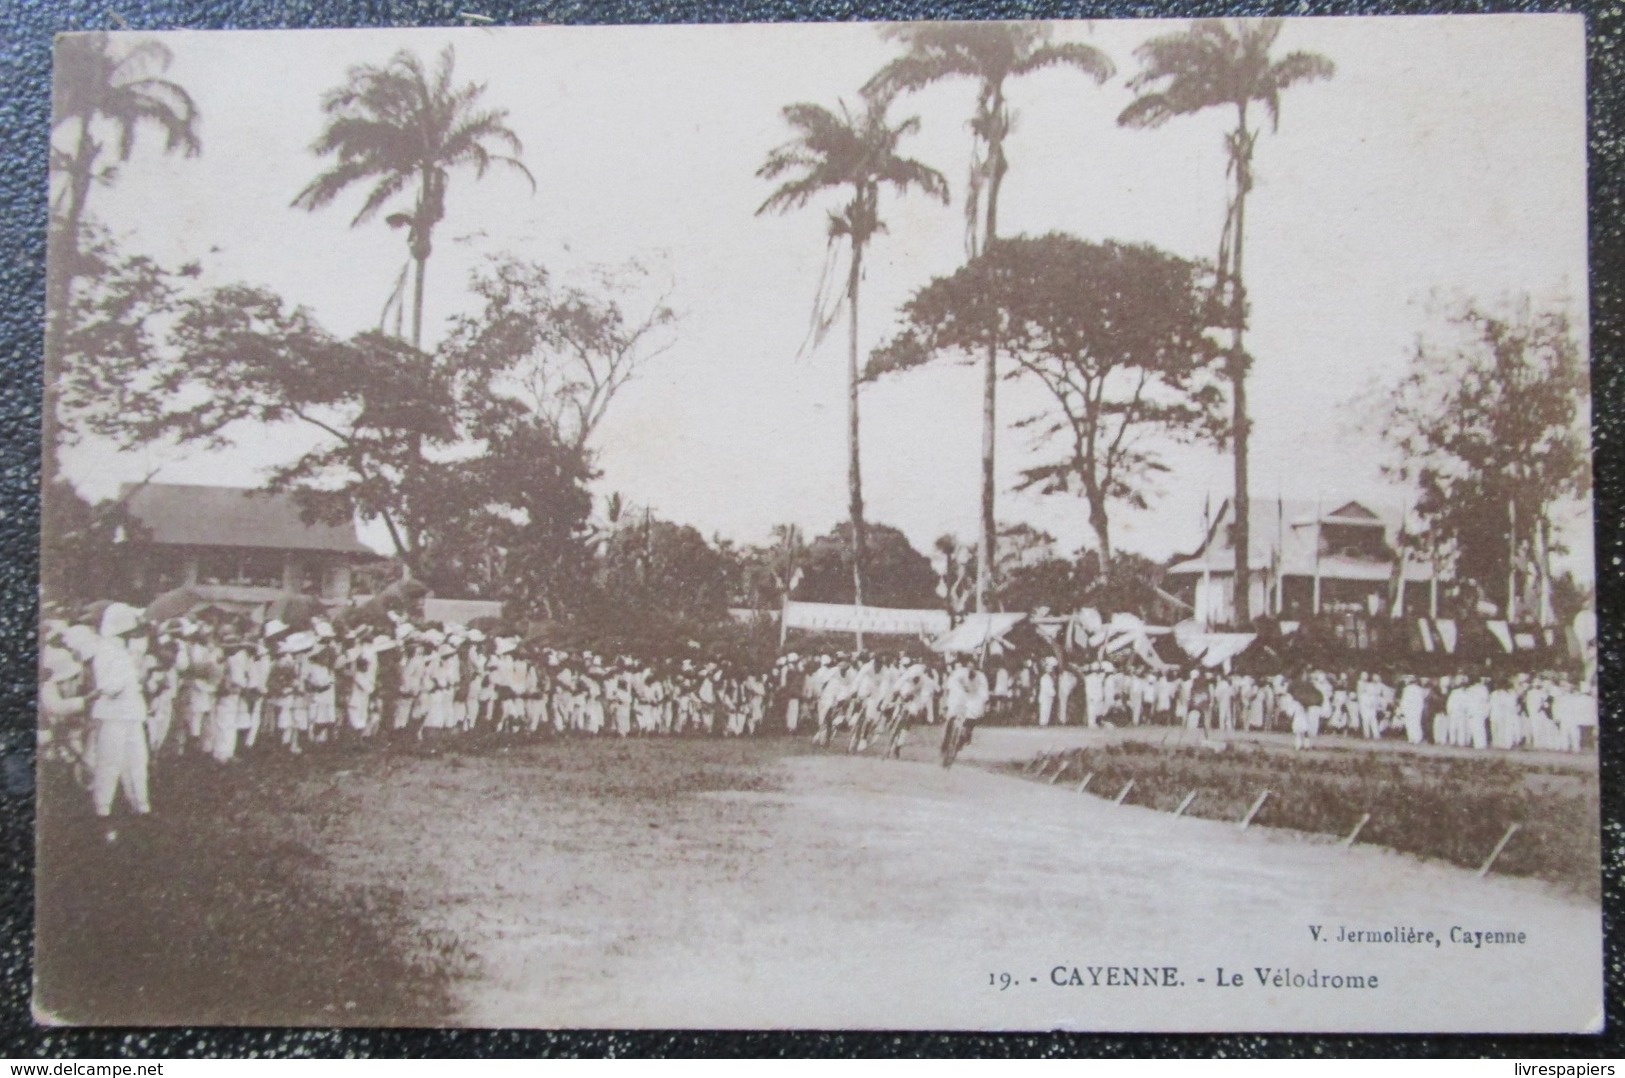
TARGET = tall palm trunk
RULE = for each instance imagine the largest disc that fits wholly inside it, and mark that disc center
(417, 298)
(430, 204)
(59, 295)
(1238, 380)
(986, 550)
(418, 241)
(854, 471)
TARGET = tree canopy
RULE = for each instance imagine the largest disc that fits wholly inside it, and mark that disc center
(895, 574)
(657, 585)
(474, 491)
(399, 127)
(562, 349)
(1217, 62)
(1489, 426)
(988, 53)
(1117, 335)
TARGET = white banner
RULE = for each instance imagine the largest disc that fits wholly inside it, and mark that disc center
(879, 620)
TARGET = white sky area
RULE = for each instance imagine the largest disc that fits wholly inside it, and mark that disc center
(1445, 160)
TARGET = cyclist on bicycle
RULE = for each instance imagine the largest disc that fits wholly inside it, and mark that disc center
(913, 703)
(968, 694)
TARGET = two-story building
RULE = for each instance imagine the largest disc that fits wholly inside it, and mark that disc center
(1307, 560)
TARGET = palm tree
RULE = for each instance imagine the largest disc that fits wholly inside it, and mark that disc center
(1221, 63)
(856, 153)
(990, 54)
(97, 88)
(398, 126)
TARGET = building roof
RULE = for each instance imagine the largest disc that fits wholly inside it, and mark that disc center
(1291, 526)
(1352, 513)
(184, 515)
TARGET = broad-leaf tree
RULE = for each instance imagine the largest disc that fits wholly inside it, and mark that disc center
(769, 574)
(1032, 574)
(515, 528)
(380, 409)
(653, 574)
(401, 128)
(1225, 64)
(475, 493)
(113, 335)
(564, 350)
(898, 574)
(1489, 425)
(850, 155)
(113, 326)
(989, 54)
(1116, 334)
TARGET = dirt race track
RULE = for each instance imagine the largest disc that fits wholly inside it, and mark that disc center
(767, 883)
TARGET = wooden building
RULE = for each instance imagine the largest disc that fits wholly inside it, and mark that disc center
(1306, 560)
(237, 546)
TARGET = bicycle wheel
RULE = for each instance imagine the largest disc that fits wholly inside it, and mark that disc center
(950, 743)
(894, 738)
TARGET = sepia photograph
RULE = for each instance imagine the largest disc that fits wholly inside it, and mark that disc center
(1076, 525)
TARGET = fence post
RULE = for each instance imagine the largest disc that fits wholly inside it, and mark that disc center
(1066, 764)
(1124, 794)
(1258, 804)
(1365, 818)
(1499, 846)
(1084, 785)
(1185, 804)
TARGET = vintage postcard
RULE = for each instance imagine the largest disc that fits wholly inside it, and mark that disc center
(997, 526)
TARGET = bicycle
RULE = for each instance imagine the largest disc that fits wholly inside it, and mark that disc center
(955, 737)
(894, 727)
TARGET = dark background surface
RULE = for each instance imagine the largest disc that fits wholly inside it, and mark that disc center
(26, 28)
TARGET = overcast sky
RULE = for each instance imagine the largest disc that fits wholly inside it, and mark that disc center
(1445, 160)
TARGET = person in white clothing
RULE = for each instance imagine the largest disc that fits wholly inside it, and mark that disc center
(202, 668)
(290, 697)
(1368, 701)
(1413, 699)
(837, 688)
(1455, 715)
(231, 707)
(968, 696)
(321, 682)
(1573, 712)
(1048, 690)
(1066, 683)
(363, 666)
(1505, 724)
(1224, 702)
(1094, 693)
(163, 689)
(1475, 710)
(254, 699)
(65, 698)
(118, 715)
